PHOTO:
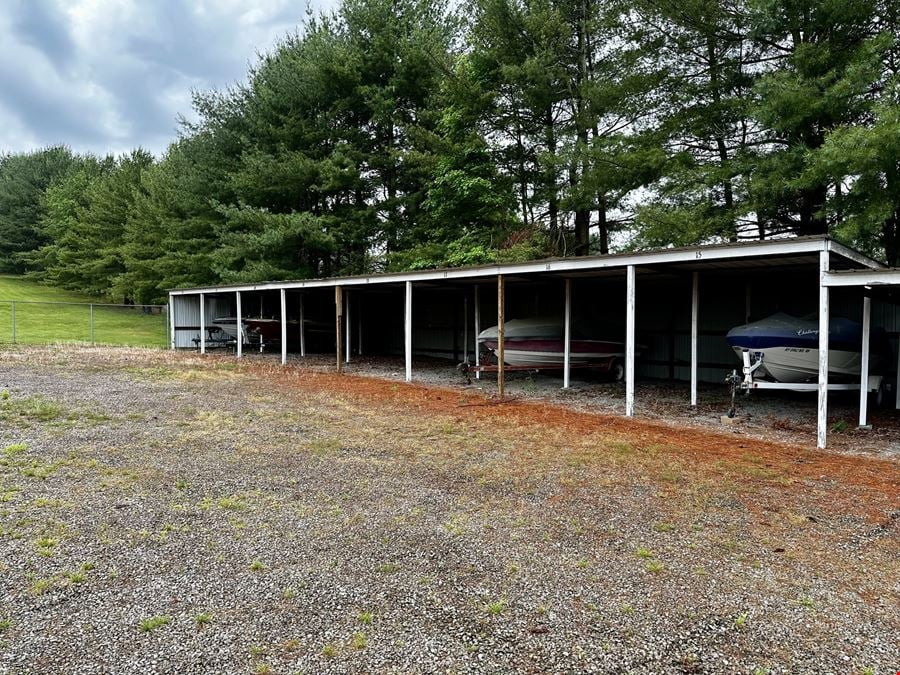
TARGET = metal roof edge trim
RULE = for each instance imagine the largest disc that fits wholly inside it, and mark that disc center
(723, 251)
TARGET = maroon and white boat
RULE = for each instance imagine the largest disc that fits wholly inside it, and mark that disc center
(539, 343)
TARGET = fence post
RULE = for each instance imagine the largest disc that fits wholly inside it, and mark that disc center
(14, 321)
(92, 323)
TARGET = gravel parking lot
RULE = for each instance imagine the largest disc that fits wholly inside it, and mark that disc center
(164, 512)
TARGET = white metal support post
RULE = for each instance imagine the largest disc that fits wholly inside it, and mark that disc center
(477, 331)
(567, 336)
(896, 384)
(822, 422)
(359, 327)
(864, 363)
(172, 321)
(695, 334)
(347, 325)
(283, 326)
(501, 335)
(302, 328)
(407, 331)
(202, 323)
(629, 340)
(239, 323)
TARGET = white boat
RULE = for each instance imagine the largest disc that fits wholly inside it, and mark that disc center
(788, 347)
(540, 343)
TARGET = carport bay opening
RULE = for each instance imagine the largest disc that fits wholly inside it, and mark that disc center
(681, 302)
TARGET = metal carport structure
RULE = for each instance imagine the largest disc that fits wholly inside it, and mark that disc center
(833, 263)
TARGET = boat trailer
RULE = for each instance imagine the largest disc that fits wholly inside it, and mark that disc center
(752, 361)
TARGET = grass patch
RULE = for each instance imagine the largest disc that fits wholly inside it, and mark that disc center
(153, 622)
(49, 324)
(203, 619)
(654, 566)
(30, 408)
(495, 608)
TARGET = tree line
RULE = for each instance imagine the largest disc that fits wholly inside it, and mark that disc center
(402, 134)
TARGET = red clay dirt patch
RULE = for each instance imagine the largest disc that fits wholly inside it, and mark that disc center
(699, 446)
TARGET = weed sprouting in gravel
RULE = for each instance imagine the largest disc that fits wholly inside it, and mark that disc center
(626, 609)
(152, 623)
(289, 593)
(231, 503)
(45, 546)
(457, 524)
(257, 566)
(329, 651)
(202, 619)
(741, 620)
(360, 641)
(654, 566)
(262, 668)
(5, 624)
(15, 449)
(664, 527)
(41, 586)
(805, 601)
(582, 564)
(388, 568)
(644, 553)
(365, 618)
(496, 607)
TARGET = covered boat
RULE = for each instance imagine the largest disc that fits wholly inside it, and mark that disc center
(788, 347)
(270, 329)
(539, 342)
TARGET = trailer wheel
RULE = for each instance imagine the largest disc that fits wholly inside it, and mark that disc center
(617, 370)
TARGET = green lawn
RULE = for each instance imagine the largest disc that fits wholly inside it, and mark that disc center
(40, 322)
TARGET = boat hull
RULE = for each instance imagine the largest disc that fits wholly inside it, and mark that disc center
(551, 353)
(789, 348)
(794, 365)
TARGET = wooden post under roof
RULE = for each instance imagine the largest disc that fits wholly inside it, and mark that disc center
(338, 317)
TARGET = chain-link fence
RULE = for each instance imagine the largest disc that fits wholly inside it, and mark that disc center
(34, 322)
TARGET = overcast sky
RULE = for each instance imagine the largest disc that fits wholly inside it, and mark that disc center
(110, 75)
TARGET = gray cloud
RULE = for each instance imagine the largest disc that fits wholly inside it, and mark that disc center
(110, 75)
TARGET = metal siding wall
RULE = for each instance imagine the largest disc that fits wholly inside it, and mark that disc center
(186, 318)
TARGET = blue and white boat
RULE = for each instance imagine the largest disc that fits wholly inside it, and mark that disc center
(788, 347)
